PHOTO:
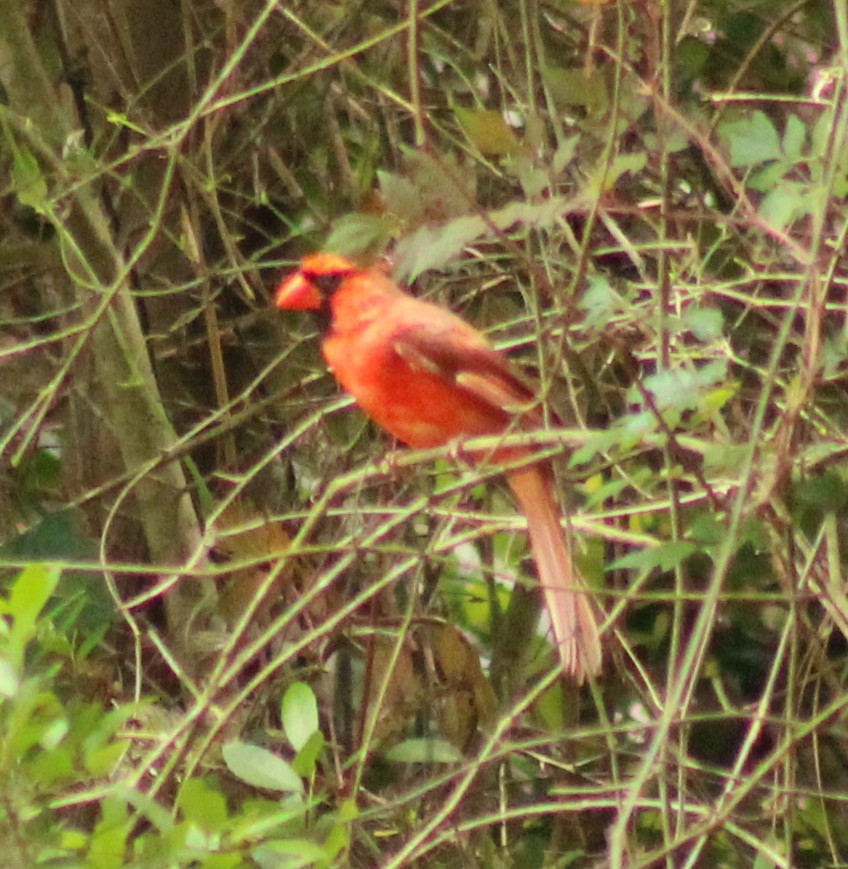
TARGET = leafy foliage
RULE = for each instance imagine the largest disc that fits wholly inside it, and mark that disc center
(232, 631)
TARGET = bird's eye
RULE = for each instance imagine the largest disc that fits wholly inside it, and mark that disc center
(328, 283)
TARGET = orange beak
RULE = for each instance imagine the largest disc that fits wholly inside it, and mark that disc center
(296, 293)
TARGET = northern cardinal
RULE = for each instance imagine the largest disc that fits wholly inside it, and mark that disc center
(429, 378)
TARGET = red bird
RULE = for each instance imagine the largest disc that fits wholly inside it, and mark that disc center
(429, 378)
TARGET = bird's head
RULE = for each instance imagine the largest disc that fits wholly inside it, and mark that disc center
(310, 287)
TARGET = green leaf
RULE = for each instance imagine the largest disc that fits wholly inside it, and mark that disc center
(725, 459)
(423, 751)
(109, 838)
(609, 489)
(682, 388)
(31, 591)
(751, 140)
(120, 119)
(600, 301)
(35, 710)
(538, 215)
(9, 682)
(401, 197)
(203, 805)
(666, 556)
(103, 759)
(100, 744)
(54, 733)
(28, 180)
(826, 492)
(299, 714)
(261, 768)
(260, 818)
(432, 247)
(338, 838)
(306, 759)
(766, 179)
(288, 853)
(794, 137)
(533, 179)
(222, 861)
(357, 234)
(706, 324)
(29, 595)
(764, 861)
(57, 765)
(147, 807)
(784, 204)
(707, 529)
(565, 153)
(624, 434)
(713, 401)
(605, 177)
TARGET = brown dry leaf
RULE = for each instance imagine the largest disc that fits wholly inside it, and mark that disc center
(466, 701)
(488, 132)
(436, 675)
(245, 536)
(575, 87)
(405, 695)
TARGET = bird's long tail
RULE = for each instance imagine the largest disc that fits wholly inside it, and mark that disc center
(568, 600)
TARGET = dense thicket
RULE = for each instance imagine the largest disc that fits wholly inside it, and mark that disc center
(232, 632)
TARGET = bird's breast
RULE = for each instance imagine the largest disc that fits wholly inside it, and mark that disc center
(419, 407)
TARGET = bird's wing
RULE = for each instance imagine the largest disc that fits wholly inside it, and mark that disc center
(460, 355)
